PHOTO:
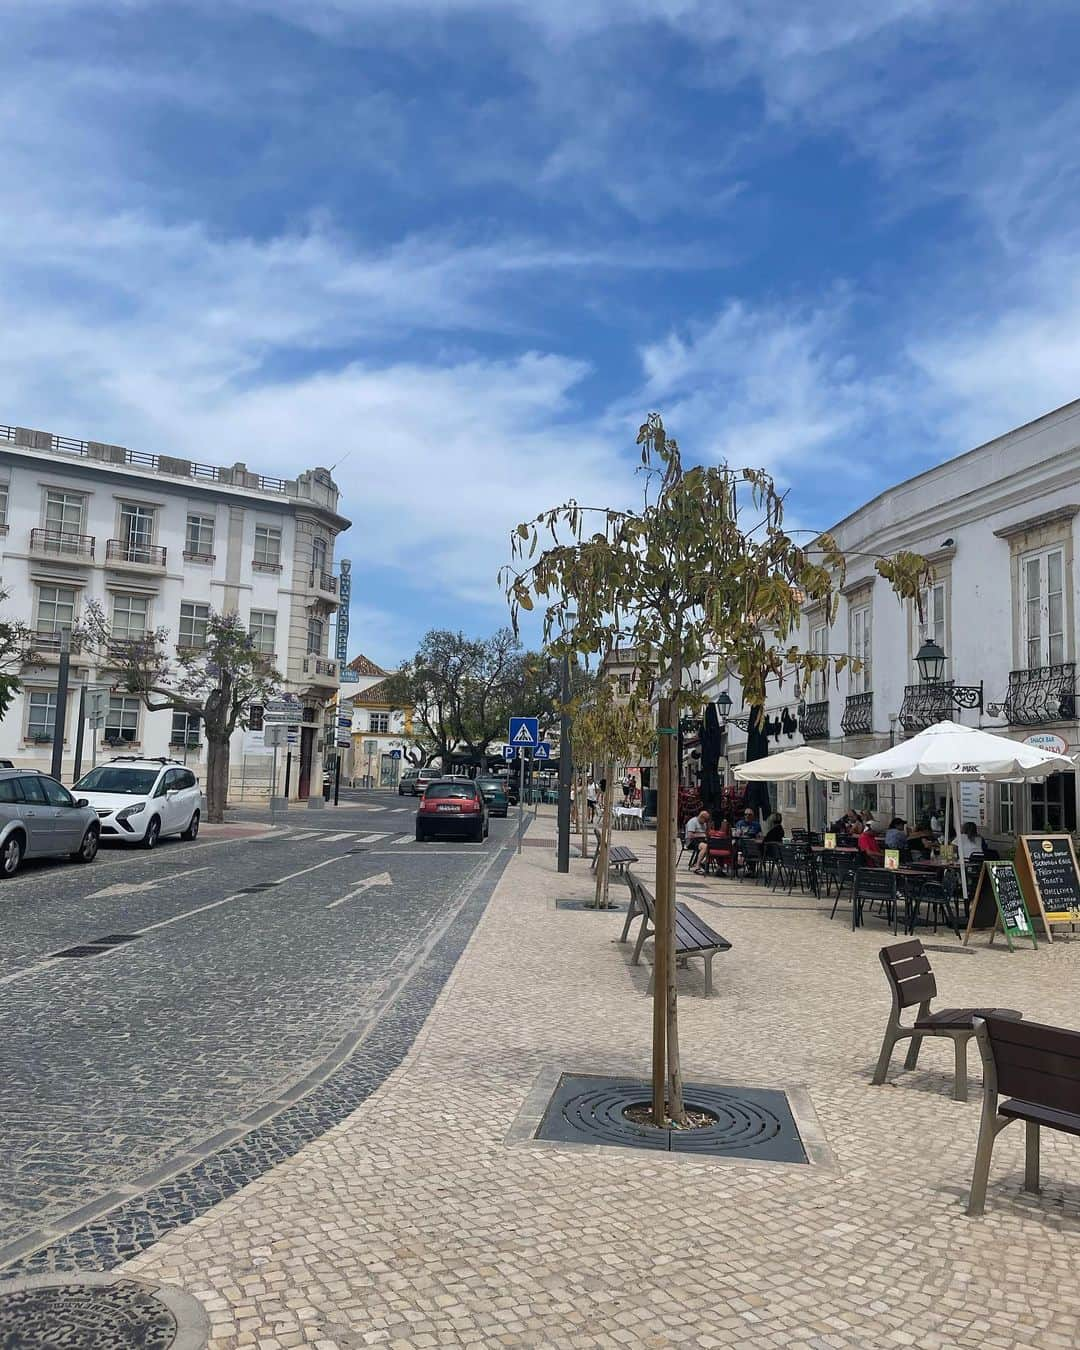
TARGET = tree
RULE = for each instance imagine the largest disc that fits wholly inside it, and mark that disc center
(16, 648)
(218, 682)
(683, 577)
(605, 731)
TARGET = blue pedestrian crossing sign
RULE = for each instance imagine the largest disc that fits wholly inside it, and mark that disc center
(524, 732)
(543, 750)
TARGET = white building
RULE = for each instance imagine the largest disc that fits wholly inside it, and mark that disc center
(999, 525)
(380, 732)
(162, 541)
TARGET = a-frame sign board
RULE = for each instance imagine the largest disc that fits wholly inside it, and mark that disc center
(999, 905)
(1050, 878)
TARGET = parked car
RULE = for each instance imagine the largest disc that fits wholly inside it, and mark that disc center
(414, 781)
(495, 794)
(452, 806)
(139, 800)
(39, 816)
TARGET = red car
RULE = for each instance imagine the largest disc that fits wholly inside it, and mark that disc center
(452, 806)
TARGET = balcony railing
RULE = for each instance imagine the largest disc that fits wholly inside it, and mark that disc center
(815, 721)
(323, 581)
(62, 544)
(925, 704)
(858, 718)
(122, 550)
(320, 665)
(1045, 694)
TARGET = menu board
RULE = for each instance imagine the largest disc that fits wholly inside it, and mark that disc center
(829, 840)
(892, 859)
(1050, 878)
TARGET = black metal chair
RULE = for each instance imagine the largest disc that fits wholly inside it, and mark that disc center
(770, 861)
(795, 865)
(837, 869)
(876, 886)
(749, 855)
(939, 904)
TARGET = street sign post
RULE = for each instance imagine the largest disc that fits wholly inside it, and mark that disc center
(522, 756)
(524, 732)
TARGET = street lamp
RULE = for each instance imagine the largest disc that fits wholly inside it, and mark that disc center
(931, 662)
(934, 697)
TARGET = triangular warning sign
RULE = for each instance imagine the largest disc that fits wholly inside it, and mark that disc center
(524, 736)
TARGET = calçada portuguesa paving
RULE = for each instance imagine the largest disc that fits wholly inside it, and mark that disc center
(415, 1223)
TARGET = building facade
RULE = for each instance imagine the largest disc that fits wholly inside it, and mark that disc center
(161, 541)
(999, 526)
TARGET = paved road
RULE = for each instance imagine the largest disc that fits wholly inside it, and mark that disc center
(251, 960)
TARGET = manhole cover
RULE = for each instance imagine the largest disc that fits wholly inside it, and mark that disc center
(120, 1315)
(751, 1123)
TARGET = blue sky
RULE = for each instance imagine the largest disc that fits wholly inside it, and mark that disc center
(470, 243)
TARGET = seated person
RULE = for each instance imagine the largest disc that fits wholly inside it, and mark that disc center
(870, 849)
(774, 829)
(718, 848)
(697, 828)
(896, 836)
(748, 827)
(971, 841)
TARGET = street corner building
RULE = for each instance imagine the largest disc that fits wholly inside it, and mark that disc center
(161, 541)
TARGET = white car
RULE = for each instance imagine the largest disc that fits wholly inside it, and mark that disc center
(139, 800)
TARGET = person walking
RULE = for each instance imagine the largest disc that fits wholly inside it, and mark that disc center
(591, 796)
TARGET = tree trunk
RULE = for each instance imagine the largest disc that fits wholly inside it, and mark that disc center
(583, 813)
(662, 889)
(217, 779)
(670, 811)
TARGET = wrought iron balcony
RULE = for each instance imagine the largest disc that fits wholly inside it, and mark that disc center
(124, 551)
(815, 721)
(62, 544)
(320, 668)
(323, 581)
(1045, 694)
(858, 718)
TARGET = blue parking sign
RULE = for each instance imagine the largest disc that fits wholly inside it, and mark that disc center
(509, 753)
(524, 732)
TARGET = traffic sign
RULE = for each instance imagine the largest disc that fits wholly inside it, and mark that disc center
(395, 754)
(524, 731)
(510, 753)
(543, 750)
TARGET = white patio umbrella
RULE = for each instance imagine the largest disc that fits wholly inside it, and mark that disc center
(800, 765)
(950, 753)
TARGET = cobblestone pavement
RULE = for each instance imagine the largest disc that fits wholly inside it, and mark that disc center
(126, 1066)
(415, 1223)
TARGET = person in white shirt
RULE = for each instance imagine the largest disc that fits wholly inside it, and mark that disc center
(697, 836)
(592, 793)
(971, 841)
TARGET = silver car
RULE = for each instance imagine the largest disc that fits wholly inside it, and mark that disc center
(39, 817)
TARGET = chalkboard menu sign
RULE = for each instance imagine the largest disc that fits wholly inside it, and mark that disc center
(1050, 877)
(1011, 906)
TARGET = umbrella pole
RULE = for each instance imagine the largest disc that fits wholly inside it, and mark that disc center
(806, 789)
(959, 851)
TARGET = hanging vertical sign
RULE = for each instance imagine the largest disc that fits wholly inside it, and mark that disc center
(344, 592)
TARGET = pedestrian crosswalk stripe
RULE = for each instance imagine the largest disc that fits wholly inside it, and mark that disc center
(374, 808)
(403, 839)
(333, 838)
(371, 838)
(307, 834)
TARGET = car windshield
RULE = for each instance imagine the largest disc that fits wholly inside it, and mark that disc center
(451, 790)
(492, 784)
(113, 778)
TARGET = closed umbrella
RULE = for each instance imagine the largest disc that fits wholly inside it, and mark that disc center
(800, 765)
(950, 753)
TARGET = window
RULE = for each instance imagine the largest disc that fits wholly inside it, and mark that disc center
(1043, 608)
(1053, 805)
(819, 644)
(318, 557)
(861, 681)
(1006, 808)
(268, 547)
(193, 623)
(3, 504)
(863, 796)
(55, 793)
(42, 714)
(185, 729)
(122, 719)
(64, 515)
(315, 634)
(931, 627)
(199, 540)
(379, 722)
(137, 531)
(185, 778)
(32, 790)
(255, 717)
(130, 617)
(9, 790)
(55, 609)
(263, 629)
(625, 684)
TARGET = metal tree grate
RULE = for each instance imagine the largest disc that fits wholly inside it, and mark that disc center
(755, 1124)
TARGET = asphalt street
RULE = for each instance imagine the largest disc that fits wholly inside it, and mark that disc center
(250, 960)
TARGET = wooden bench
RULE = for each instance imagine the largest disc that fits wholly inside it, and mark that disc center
(693, 936)
(1039, 1068)
(912, 984)
(619, 857)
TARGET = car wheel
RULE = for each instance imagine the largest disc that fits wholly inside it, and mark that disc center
(192, 831)
(420, 836)
(11, 855)
(478, 836)
(153, 831)
(88, 849)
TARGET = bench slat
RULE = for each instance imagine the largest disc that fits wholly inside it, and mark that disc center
(1068, 1121)
(694, 929)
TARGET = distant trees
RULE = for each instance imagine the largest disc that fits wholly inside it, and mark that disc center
(16, 641)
